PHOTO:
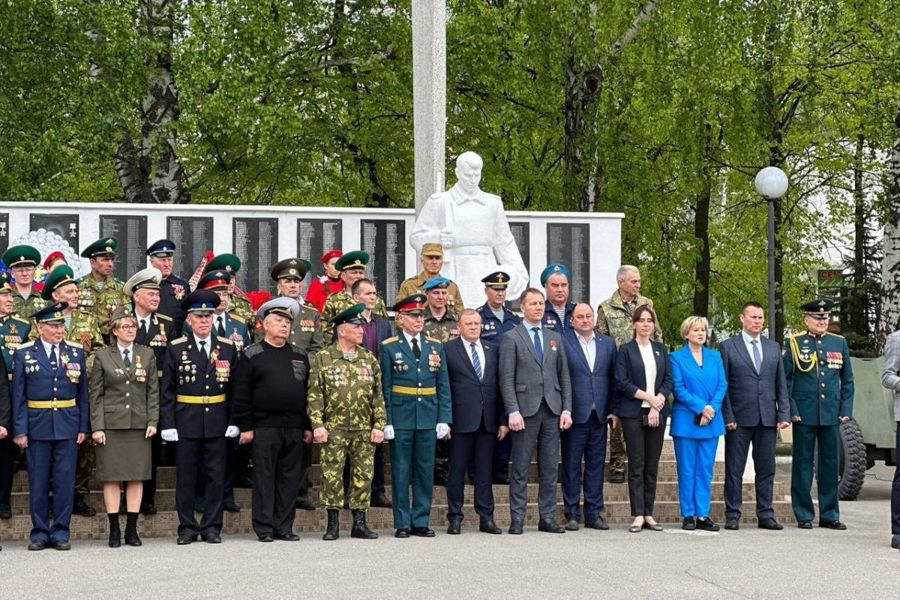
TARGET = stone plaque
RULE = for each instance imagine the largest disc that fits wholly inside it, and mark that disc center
(385, 241)
(255, 242)
(131, 231)
(315, 237)
(521, 232)
(570, 244)
(4, 232)
(65, 226)
(192, 237)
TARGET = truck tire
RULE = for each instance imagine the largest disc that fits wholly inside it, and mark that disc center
(852, 466)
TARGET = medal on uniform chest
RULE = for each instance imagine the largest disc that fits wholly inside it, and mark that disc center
(307, 326)
(434, 361)
(178, 291)
(139, 372)
(73, 370)
(400, 364)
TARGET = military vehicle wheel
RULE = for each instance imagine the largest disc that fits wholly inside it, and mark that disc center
(852, 466)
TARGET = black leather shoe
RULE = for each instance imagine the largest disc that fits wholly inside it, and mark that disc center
(489, 527)
(707, 524)
(60, 545)
(598, 523)
(266, 537)
(617, 477)
(516, 526)
(895, 541)
(732, 524)
(549, 525)
(453, 528)
(837, 525)
(571, 524)
(232, 507)
(185, 539)
(380, 500)
(5, 512)
(402, 533)
(148, 509)
(422, 532)
(82, 508)
(770, 524)
(804, 524)
(304, 503)
(688, 524)
(288, 537)
(212, 538)
(38, 546)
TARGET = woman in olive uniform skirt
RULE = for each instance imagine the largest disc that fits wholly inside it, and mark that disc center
(124, 393)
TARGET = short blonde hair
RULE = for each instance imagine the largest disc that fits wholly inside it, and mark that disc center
(689, 323)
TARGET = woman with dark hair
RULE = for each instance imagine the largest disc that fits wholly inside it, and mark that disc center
(643, 382)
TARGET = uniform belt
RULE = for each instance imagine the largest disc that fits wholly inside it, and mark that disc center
(200, 399)
(411, 391)
(54, 404)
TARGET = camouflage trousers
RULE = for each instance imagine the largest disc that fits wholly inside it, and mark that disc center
(87, 461)
(361, 452)
(616, 450)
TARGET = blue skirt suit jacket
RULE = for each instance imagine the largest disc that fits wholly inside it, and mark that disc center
(695, 388)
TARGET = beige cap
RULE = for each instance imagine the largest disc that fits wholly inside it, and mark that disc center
(432, 249)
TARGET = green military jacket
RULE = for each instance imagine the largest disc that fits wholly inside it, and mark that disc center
(101, 299)
(819, 378)
(124, 397)
(241, 307)
(416, 285)
(614, 318)
(306, 330)
(23, 308)
(81, 328)
(443, 330)
(345, 393)
(338, 303)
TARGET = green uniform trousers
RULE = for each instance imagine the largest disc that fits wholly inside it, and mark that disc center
(361, 451)
(829, 445)
(412, 463)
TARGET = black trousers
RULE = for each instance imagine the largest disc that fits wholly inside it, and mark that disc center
(895, 492)
(643, 445)
(7, 469)
(194, 456)
(305, 466)
(737, 445)
(478, 447)
(277, 459)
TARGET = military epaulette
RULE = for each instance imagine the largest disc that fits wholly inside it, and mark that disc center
(26, 345)
(834, 335)
(20, 320)
(163, 317)
(74, 345)
(177, 341)
(225, 341)
(390, 340)
(252, 350)
(238, 318)
(431, 339)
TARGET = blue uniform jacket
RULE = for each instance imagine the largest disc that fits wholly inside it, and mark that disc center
(35, 379)
(236, 330)
(694, 389)
(13, 332)
(592, 389)
(492, 329)
(402, 377)
(551, 319)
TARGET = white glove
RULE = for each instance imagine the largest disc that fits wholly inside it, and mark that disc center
(442, 430)
(169, 435)
(389, 432)
(232, 431)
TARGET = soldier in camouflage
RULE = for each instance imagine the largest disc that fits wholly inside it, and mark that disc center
(346, 409)
(432, 261)
(22, 261)
(441, 322)
(99, 292)
(614, 320)
(352, 266)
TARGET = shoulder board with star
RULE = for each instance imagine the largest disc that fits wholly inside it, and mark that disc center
(390, 340)
(163, 317)
(238, 318)
(225, 341)
(834, 335)
(73, 344)
(431, 339)
(26, 345)
(177, 341)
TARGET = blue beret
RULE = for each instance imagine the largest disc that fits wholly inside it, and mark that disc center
(435, 283)
(553, 269)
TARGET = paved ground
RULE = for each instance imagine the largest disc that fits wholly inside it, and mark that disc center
(750, 563)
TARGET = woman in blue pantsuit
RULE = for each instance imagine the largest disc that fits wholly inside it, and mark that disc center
(697, 425)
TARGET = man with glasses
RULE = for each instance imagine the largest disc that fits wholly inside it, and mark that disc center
(22, 261)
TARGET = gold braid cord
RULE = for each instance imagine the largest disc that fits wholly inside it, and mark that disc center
(795, 353)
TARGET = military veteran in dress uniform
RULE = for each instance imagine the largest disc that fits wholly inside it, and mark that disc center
(51, 417)
(22, 261)
(195, 411)
(417, 400)
(124, 392)
(820, 388)
(172, 289)
(238, 304)
(346, 409)
(306, 328)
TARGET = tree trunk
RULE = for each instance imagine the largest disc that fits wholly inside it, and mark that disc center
(890, 266)
(702, 266)
(855, 303)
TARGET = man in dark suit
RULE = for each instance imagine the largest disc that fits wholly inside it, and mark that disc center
(592, 364)
(477, 420)
(755, 407)
(537, 396)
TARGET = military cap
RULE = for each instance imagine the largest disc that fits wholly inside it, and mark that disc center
(215, 280)
(411, 305)
(331, 254)
(432, 249)
(497, 279)
(553, 269)
(161, 248)
(51, 314)
(53, 257)
(223, 262)
(146, 278)
(282, 306)
(122, 312)
(352, 260)
(58, 277)
(21, 256)
(6, 286)
(104, 247)
(437, 283)
(296, 268)
(351, 316)
(201, 302)
(819, 308)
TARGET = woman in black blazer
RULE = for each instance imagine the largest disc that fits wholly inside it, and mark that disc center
(642, 410)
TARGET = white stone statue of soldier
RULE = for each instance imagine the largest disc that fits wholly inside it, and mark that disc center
(471, 226)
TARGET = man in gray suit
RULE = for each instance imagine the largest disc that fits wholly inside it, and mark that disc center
(890, 378)
(755, 407)
(537, 396)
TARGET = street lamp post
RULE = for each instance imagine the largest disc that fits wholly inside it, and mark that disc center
(771, 183)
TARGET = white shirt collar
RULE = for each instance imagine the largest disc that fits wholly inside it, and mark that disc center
(748, 339)
(208, 341)
(409, 338)
(48, 346)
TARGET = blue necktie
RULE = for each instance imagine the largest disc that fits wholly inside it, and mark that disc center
(538, 347)
(476, 362)
(757, 359)
(53, 356)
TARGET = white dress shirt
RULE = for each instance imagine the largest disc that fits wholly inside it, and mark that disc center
(748, 342)
(649, 371)
(589, 348)
(122, 350)
(479, 349)
(207, 341)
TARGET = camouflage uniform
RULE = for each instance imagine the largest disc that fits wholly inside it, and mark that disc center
(241, 307)
(614, 320)
(443, 330)
(345, 397)
(101, 299)
(23, 308)
(338, 303)
(81, 328)
(416, 285)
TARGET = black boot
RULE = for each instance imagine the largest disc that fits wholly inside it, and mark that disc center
(131, 534)
(332, 529)
(115, 534)
(360, 528)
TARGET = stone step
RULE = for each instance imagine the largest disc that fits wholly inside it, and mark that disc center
(165, 523)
